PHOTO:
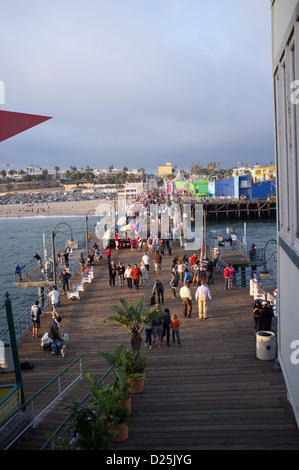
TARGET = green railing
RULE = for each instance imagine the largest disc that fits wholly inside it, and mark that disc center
(28, 414)
(63, 430)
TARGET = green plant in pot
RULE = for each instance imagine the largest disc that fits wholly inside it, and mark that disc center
(129, 364)
(110, 401)
(90, 431)
(118, 362)
(134, 319)
(135, 371)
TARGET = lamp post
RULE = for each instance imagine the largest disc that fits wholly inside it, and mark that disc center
(71, 242)
(264, 273)
(86, 230)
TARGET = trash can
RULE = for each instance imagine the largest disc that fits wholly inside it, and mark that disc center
(6, 358)
(265, 345)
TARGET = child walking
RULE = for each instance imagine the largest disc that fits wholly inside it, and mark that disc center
(175, 326)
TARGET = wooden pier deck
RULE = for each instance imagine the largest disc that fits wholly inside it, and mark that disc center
(210, 394)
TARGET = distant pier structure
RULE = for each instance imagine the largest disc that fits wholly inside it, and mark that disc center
(239, 210)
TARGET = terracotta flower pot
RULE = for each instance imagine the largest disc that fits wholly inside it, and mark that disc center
(136, 385)
(123, 433)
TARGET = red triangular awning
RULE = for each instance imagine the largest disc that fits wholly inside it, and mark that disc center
(12, 123)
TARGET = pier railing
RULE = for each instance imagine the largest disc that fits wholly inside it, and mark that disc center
(63, 431)
(23, 321)
(29, 413)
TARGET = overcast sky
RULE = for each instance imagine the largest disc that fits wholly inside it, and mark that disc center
(138, 83)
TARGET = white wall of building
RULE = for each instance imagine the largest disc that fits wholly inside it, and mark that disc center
(285, 49)
(289, 327)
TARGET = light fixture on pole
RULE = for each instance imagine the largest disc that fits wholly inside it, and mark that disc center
(264, 272)
(71, 242)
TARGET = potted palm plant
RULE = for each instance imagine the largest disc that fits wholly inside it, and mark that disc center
(134, 319)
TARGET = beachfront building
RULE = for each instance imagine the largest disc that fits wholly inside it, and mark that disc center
(265, 173)
(131, 191)
(258, 173)
(33, 170)
(285, 63)
(165, 170)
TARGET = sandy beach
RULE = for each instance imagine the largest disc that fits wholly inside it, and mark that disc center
(53, 209)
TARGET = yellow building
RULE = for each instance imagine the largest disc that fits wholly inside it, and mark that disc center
(265, 173)
(165, 170)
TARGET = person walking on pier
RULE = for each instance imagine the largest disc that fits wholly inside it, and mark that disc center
(54, 299)
(65, 277)
(53, 333)
(159, 290)
(265, 318)
(144, 273)
(203, 296)
(128, 276)
(36, 313)
(216, 257)
(175, 326)
(108, 254)
(210, 273)
(148, 335)
(146, 260)
(173, 284)
(136, 275)
(157, 262)
(112, 273)
(257, 308)
(228, 276)
(186, 297)
(82, 262)
(166, 326)
(121, 272)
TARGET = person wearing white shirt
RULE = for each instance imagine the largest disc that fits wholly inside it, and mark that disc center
(186, 297)
(146, 261)
(54, 299)
(203, 296)
(128, 276)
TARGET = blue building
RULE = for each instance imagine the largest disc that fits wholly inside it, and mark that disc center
(241, 187)
(264, 190)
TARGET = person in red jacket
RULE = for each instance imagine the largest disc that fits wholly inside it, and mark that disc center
(228, 276)
(108, 254)
(175, 326)
(136, 275)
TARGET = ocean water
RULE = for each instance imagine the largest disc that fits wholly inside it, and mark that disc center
(21, 237)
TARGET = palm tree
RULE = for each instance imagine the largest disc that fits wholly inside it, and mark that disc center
(134, 319)
(56, 168)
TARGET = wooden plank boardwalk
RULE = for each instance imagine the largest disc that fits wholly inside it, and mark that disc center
(212, 393)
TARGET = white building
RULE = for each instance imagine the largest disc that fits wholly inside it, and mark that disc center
(285, 60)
(34, 170)
(131, 191)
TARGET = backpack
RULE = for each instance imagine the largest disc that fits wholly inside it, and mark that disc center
(226, 272)
(34, 313)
